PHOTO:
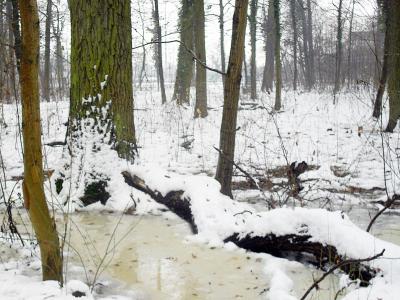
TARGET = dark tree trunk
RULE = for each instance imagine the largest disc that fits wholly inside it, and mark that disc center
(222, 38)
(253, 42)
(295, 39)
(384, 71)
(278, 64)
(184, 72)
(231, 98)
(339, 47)
(310, 43)
(393, 30)
(159, 57)
(46, 74)
(269, 32)
(200, 109)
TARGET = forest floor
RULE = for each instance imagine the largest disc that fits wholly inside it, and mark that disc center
(342, 144)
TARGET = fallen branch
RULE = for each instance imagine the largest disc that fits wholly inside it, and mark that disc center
(299, 242)
(339, 266)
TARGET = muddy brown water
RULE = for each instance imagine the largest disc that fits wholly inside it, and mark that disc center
(150, 255)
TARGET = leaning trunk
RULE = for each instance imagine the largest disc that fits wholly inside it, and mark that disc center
(35, 202)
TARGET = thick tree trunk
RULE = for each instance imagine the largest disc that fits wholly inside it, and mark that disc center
(295, 39)
(159, 52)
(46, 73)
(184, 72)
(231, 98)
(278, 64)
(35, 202)
(394, 63)
(253, 42)
(101, 68)
(200, 109)
(269, 32)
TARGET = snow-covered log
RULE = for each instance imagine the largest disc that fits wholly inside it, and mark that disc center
(304, 241)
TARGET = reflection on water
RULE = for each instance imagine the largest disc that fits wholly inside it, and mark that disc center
(150, 254)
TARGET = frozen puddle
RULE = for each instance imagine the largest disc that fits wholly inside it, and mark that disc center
(151, 256)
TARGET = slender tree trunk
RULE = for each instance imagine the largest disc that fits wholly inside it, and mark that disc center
(295, 39)
(200, 109)
(253, 42)
(393, 30)
(184, 72)
(57, 30)
(310, 43)
(231, 98)
(46, 75)
(269, 32)
(385, 66)
(222, 38)
(159, 56)
(339, 46)
(306, 52)
(35, 202)
(350, 45)
(101, 56)
(278, 64)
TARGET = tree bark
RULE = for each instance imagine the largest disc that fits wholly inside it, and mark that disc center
(253, 42)
(394, 63)
(339, 46)
(46, 74)
(35, 202)
(159, 52)
(231, 98)
(101, 64)
(222, 38)
(184, 72)
(310, 43)
(385, 66)
(200, 109)
(295, 38)
(269, 32)
(278, 64)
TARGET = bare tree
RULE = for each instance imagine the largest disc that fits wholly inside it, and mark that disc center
(34, 197)
(231, 98)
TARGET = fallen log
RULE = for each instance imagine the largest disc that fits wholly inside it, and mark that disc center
(302, 246)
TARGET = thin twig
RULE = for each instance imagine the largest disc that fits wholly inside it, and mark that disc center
(388, 204)
(270, 203)
(339, 265)
(194, 56)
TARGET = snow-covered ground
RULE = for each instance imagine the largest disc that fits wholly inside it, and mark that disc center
(342, 143)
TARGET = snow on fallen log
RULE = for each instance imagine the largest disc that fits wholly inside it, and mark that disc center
(325, 237)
